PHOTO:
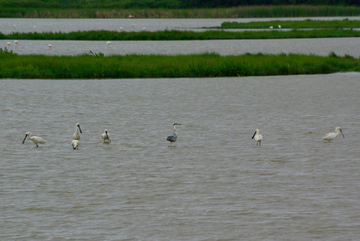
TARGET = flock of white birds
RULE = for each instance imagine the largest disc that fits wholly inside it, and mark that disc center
(16, 42)
(76, 137)
(172, 138)
(108, 43)
(328, 137)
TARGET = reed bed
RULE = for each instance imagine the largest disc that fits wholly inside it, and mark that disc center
(306, 24)
(90, 66)
(181, 35)
(234, 12)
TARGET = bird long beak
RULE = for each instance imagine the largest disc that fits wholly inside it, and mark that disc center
(24, 139)
(80, 129)
(342, 133)
(253, 135)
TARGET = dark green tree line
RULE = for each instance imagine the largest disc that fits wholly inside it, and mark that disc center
(170, 4)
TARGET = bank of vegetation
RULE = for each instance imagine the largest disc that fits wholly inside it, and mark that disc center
(89, 66)
(181, 35)
(169, 4)
(304, 24)
(46, 9)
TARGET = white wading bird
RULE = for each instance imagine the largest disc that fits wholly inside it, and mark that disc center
(16, 43)
(332, 136)
(108, 43)
(106, 136)
(8, 44)
(50, 46)
(37, 140)
(76, 135)
(257, 137)
(172, 138)
(75, 144)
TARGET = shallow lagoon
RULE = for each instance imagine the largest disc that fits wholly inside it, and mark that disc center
(215, 184)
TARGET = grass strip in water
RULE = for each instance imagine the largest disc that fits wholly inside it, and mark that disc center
(312, 24)
(90, 66)
(181, 35)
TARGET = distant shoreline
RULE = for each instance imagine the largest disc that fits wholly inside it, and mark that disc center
(234, 12)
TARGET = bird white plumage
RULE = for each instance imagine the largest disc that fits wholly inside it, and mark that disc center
(76, 135)
(75, 144)
(36, 139)
(331, 136)
(106, 136)
(257, 137)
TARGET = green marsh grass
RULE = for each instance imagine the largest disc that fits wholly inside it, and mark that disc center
(312, 24)
(181, 35)
(90, 66)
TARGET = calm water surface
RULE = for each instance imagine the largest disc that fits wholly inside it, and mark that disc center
(8, 25)
(340, 46)
(215, 184)
(324, 46)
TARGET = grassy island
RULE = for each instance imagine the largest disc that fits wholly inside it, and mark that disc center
(90, 66)
(306, 24)
(182, 35)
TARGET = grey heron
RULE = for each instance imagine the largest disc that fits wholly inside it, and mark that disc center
(258, 137)
(172, 138)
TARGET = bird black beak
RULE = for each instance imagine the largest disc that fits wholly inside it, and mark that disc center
(80, 129)
(24, 139)
(342, 133)
(253, 135)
